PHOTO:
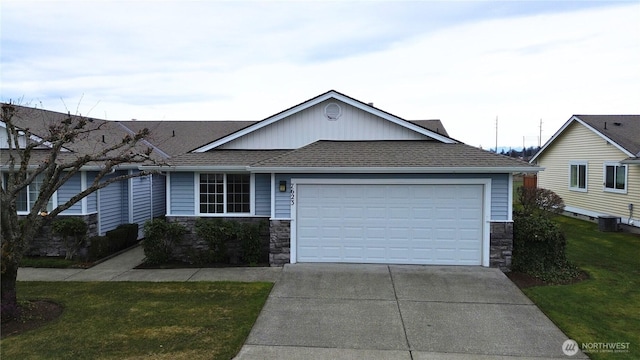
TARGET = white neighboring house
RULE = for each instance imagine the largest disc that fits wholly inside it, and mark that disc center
(593, 163)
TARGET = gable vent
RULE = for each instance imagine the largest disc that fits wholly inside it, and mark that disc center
(332, 111)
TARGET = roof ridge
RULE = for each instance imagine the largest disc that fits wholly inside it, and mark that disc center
(289, 152)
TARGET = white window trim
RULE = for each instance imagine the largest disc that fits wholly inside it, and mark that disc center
(586, 175)
(604, 177)
(252, 194)
(54, 201)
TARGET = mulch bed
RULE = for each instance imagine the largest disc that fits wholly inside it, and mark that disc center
(524, 281)
(32, 315)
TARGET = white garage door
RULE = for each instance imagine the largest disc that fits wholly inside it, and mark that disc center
(391, 224)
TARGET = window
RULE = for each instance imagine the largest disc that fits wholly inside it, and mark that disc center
(225, 193)
(212, 193)
(578, 176)
(28, 196)
(615, 177)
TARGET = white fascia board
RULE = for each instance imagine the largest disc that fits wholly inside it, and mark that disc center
(241, 168)
(552, 139)
(394, 119)
(395, 170)
(315, 101)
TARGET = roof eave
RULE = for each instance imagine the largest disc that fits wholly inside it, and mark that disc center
(631, 161)
(82, 168)
(186, 168)
(397, 170)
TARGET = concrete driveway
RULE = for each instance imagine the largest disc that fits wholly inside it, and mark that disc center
(329, 311)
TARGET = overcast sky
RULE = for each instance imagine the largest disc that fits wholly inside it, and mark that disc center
(465, 63)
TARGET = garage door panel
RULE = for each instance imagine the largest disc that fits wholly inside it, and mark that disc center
(403, 224)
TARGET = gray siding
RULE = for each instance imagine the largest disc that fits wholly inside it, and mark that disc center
(262, 199)
(499, 188)
(113, 202)
(182, 193)
(159, 194)
(71, 188)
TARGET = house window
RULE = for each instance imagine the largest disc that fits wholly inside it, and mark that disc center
(615, 177)
(238, 193)
(578, 176)
(225, 193)
(27, 197)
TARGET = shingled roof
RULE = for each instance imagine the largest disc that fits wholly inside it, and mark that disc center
(180, 137)
(393, 155)
(624, 130)
(99, 134)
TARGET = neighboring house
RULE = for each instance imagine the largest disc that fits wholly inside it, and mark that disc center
(342, 181)
(132, 201)
(593, 163)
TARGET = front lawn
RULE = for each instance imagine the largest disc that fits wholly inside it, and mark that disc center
(604, 308)
(111, 320)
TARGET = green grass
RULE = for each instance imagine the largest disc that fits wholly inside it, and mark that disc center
(604, 308)
(108, 320)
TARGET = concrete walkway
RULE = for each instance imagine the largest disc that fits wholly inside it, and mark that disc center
(121, 268)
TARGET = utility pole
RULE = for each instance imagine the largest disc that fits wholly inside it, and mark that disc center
(540, 136)
(496, 134)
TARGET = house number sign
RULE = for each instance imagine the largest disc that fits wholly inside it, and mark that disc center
(293, 195)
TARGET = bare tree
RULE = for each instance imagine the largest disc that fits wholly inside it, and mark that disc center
(60, 149)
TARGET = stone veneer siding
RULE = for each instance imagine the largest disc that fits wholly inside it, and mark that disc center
(191, 245)
(501, 243)
(280, 242)
(48, 244)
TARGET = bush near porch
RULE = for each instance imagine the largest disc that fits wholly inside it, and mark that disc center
(206, 242)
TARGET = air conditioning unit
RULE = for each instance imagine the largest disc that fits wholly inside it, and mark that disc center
(608, 223)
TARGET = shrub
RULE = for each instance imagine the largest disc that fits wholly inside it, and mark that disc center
(251, 244)
(130, 231)
(217, 233)
(539, 248)
(117, 239)
(73, 231)
(99, 247)
(537, 200)
(160, 238)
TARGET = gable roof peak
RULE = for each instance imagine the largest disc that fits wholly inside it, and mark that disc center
(619, 130)
(331, 94)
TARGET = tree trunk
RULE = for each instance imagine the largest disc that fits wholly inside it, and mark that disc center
(9, 307)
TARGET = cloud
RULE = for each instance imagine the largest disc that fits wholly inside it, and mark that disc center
(463, 62)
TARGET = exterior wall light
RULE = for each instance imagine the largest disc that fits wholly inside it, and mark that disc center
(283, 186)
